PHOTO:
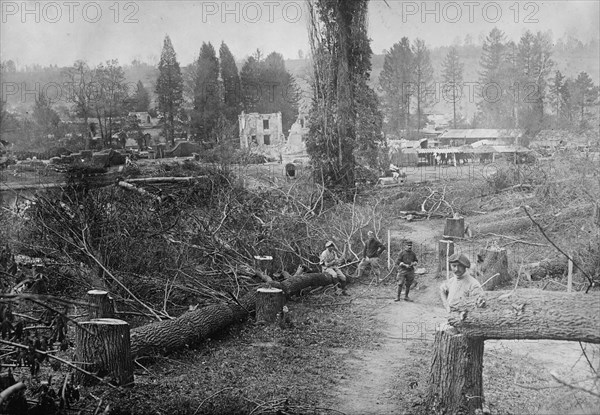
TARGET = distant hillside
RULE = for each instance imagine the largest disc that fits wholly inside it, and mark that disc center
(570, 62)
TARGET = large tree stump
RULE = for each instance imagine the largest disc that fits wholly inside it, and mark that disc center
(269, 302)
(446, 248)
(100, 305)
(102, 346)
(494, 261)
(455, 227)
(456, 376)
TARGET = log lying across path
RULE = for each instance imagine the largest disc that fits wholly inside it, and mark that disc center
(531, 314)
(195, 326)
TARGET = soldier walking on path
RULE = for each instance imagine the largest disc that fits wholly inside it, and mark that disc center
(406, 272)
(373, 249)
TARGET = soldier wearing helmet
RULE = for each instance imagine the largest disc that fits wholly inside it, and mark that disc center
(330, 265)
(462, 285)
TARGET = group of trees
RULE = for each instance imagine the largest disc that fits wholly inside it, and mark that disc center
(215, 92)
(525, 90)
(407, 77)
(518, 86)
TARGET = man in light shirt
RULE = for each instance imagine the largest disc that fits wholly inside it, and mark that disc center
(462, 285)
(330, 265)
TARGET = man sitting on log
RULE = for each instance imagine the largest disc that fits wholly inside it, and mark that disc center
(330, 262)
(373, 248)
(406, 271)
(462, 285)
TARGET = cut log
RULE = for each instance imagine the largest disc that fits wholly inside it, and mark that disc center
(190, 328)
(531, 314)
(456, 376)
(104, 349)
(195, 326)
(269, 303)
(548, 267)
(445, 250)
(455, 227)
(100, 305)
(492, 261)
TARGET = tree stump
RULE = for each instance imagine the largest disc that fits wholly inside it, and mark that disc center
(102, 347)
(455, 227)
(456, 376)
(100, 305)
(495, 261)
(445, 250)
(269, 302)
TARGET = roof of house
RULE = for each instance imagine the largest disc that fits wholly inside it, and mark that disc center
(482, 133)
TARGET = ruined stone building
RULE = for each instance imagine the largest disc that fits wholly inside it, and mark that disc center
(260, 130)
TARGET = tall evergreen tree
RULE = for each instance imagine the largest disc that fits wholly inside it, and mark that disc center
(169, 88)
(584, 94)
(396, 83)
(207, 96)
(423, 78)
(559, 98)
(493, 108)
(232, 89)
(534, 64)
(453, 78)
(250, 82)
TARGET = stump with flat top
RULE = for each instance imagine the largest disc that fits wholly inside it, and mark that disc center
(455, 227)
(102, 347)
(456, 376)
(494, 261)
(445, 250)
(269, 302)
(100, 305)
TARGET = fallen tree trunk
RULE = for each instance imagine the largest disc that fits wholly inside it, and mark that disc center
(195, 326)
(530, 314)
(190, 328)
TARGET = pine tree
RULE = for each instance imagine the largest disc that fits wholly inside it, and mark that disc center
(207, 97)
(169, 88)
(559, 98)
(453, 78)
(232, 90)
(396, 83)
(250, 82)
(493, 107)
(423, 77)
(584, 94)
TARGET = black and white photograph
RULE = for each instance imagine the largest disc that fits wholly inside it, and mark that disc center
(299, 207)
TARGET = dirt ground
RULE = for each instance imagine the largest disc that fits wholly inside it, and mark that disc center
(392, 378)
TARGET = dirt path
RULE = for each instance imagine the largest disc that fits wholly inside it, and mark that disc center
(380, 376)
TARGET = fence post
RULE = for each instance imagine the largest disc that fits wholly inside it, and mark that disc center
(389, 264)
(570, 276)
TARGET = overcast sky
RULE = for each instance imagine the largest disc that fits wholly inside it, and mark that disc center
(61, 32)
